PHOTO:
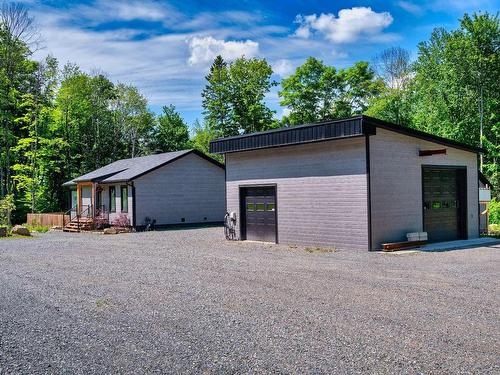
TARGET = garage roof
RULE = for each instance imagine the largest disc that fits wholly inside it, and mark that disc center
(322, 131)
(129, 169)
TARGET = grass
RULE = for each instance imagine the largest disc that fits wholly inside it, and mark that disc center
(37, 228)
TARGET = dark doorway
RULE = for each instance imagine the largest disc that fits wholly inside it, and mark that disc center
(258, 205)
(445, 203)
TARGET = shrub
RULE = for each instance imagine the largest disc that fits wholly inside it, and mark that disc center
(494, 212)
(6, 208)
(121, 221)
(37, 228)
(100, 222)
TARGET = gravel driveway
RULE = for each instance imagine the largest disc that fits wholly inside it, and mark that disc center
(186, 301)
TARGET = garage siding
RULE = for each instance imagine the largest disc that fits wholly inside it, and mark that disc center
(396, 184)
(191, 188)
(321, 190)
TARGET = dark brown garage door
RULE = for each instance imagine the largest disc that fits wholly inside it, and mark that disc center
(444, 203)
(259, 221)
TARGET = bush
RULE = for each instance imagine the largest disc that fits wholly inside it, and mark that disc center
(121, 221)
(37, 228)
(494, 212)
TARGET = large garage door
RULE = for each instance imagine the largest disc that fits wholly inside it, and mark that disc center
(259, 205)
(444, 203)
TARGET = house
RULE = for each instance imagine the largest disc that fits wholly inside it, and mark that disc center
(182, 187)
(354, 183)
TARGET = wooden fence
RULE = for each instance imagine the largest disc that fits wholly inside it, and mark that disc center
(48, 220)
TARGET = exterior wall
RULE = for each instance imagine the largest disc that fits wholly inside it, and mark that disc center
(105, 202)
(191, 188)
(321, 190)
(396, 184)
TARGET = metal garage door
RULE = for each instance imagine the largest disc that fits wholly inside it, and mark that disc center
(444, 203)
(259, 221)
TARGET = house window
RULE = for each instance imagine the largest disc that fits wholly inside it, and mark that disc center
(112, 199)
(124, 197)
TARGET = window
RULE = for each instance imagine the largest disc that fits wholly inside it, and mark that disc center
(112, 199)
(124, 196)
(250, 207)
(436, 204)
(259, 207)
(270, 207)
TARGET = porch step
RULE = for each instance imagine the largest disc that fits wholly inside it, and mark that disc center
(76, 225)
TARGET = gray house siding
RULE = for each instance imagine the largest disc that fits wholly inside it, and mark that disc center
(321, 190)
(191, 188)
(396, 184)
(118, 212)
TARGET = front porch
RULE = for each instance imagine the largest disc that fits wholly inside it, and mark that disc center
(96, 206)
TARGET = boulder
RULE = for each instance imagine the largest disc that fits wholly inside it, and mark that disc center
(21, 231)
(3, 232)
(110, 231)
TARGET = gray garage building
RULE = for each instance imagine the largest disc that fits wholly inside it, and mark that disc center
(353, 183)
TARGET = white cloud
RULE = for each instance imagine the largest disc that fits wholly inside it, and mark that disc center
(350, 25)
(410, 7)
(283, 67)
(203, 50)
(145, 10)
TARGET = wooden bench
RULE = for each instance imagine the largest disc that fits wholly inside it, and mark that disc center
(393, 246)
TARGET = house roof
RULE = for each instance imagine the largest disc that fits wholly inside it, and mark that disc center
(322, 131)
(484, 179)
(128, 169)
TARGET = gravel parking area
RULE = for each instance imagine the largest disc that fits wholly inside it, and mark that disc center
(185, 301)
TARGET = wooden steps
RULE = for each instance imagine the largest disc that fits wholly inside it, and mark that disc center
(78, 225)
(393, 246)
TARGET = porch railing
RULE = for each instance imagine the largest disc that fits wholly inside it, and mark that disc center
(75, 213)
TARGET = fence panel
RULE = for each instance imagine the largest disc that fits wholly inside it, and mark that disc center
(48, 220)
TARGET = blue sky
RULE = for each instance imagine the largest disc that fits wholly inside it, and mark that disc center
(165, 47)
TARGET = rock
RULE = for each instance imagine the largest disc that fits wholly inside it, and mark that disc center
(21, 231)
(3, 232)
(110, 231)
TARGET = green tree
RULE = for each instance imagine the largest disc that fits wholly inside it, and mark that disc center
(250, 81)
(216, 100)
(456, 86)
(394, 103)
(134, 122)
(171, 132)
(317, 92)
(233, 99)
(202, 134)
(309, 93)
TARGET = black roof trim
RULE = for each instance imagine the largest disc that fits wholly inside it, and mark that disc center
(323, 131)
(484, 179)
(345, 128)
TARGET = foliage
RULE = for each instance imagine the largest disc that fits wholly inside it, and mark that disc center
(171, 132)
(233, 98)
(37, 228)
(201, 136)
(6, 207)
(121, 221)
(456, 85)
(494, 211)
(316, 92)
(216, 100)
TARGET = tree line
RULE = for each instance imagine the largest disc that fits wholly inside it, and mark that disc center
(58, 122)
